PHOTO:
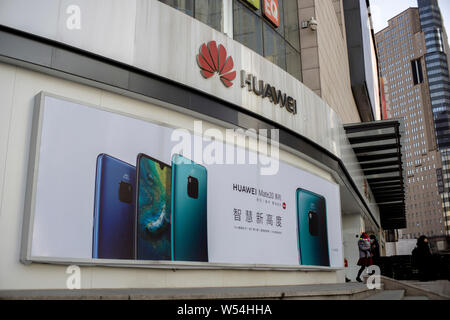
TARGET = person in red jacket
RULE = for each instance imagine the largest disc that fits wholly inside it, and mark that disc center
(365, 256)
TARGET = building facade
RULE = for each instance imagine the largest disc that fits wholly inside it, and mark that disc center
(402, 57)
(116, 79)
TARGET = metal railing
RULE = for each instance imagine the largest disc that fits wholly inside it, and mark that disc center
(404, 268)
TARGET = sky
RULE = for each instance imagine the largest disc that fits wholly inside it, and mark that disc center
(383, 10)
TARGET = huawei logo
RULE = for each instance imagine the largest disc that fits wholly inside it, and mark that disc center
(213, 60)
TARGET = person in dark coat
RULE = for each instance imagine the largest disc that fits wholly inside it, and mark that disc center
(374, 249)
(365, 256)
(422, 258)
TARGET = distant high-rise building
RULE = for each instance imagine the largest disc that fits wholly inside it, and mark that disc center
(406, 94)
(436, 60)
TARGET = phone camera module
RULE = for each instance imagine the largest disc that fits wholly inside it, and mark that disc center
(313, 223)
(192, 187)
(125, 192)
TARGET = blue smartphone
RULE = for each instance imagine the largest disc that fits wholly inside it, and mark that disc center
(153, 201)
(189, 210)
(114, 210)
(312, 229)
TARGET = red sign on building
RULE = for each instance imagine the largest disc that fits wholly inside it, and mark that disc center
(271, 11)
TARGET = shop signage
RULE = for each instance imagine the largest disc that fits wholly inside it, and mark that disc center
(212, 59)
(271, 11)
(265, 90)
(253, 3)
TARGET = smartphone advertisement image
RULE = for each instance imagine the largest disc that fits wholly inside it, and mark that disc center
(153, 211)
(312, 226)
(189, 218)
(108, 189)
(114, 209)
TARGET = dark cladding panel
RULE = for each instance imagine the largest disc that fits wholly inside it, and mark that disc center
(359, 54)
(378, 149)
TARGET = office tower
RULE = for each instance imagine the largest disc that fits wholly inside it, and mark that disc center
(436, 61)
(402, 50)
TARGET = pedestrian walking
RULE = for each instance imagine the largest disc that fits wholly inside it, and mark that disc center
(365, 256)
(423, 258)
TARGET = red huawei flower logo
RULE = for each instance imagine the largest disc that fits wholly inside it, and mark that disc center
(212, 59)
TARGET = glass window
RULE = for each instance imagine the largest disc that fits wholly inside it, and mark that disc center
(247, 27)
(186, 6)
(293, 62)
(291, 27)
(274, 47)
(210, 12)
(281, 45)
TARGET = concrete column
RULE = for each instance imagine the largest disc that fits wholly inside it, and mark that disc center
(309, 47)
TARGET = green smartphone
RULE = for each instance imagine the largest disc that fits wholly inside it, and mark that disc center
(189, 210)
(312, 229)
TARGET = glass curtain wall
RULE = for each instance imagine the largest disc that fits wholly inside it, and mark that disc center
(209, 12)
(280, 45)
